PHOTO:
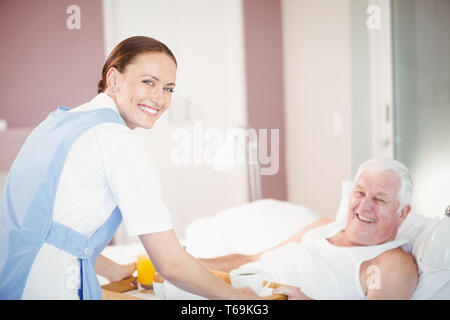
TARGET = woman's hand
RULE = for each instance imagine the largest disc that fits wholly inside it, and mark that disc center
(123, 271)
(241, 294)
(158, 278)
(114, 271)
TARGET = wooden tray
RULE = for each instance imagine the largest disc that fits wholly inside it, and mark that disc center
(116, 290)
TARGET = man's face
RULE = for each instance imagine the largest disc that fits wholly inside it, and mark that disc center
(372, 217)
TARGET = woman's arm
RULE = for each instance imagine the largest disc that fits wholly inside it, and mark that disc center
(184, 271)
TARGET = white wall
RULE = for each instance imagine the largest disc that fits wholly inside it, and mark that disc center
(317, 78)
(207, 39)
(361, 114)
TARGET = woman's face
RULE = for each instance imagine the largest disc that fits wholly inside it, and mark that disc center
(144, 90)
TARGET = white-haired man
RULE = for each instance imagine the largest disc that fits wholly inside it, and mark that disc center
(353, 259)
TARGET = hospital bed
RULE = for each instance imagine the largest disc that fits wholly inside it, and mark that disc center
(259, 225)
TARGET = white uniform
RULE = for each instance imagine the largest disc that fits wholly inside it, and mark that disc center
(107, 166)
(321, 269)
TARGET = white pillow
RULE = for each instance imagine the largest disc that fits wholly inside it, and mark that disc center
(247, 228)
(433, 284)
(347, 187)
(411, 228)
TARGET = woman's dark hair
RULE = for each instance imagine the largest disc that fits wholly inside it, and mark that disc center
(127, 50)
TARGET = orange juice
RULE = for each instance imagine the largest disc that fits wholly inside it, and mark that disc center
(145, 270)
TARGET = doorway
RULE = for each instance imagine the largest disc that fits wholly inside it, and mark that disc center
(421, 93)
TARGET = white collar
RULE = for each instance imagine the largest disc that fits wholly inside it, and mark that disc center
(102, 100)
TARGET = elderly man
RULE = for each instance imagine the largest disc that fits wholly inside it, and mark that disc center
(353, 259)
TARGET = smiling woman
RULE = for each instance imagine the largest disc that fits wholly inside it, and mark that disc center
(139, 75)
(84, 170)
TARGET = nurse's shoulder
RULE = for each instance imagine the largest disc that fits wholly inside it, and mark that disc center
(109, 135)
(117, 138)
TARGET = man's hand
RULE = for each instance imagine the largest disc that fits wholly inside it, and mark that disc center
(293, 293)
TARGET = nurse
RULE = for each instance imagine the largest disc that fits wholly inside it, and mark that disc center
(84, 170)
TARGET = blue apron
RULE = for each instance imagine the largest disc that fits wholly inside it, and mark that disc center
(27, 201)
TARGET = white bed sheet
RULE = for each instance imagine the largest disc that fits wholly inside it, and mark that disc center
(247, 228)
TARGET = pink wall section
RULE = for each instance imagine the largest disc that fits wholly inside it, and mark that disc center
(44, 64)
(265, 89)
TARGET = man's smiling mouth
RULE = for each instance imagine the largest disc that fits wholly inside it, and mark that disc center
(364, 219)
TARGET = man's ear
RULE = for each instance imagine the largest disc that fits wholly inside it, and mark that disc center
(404, 213)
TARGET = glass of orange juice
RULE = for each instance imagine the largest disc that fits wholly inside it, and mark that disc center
(145, 271)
